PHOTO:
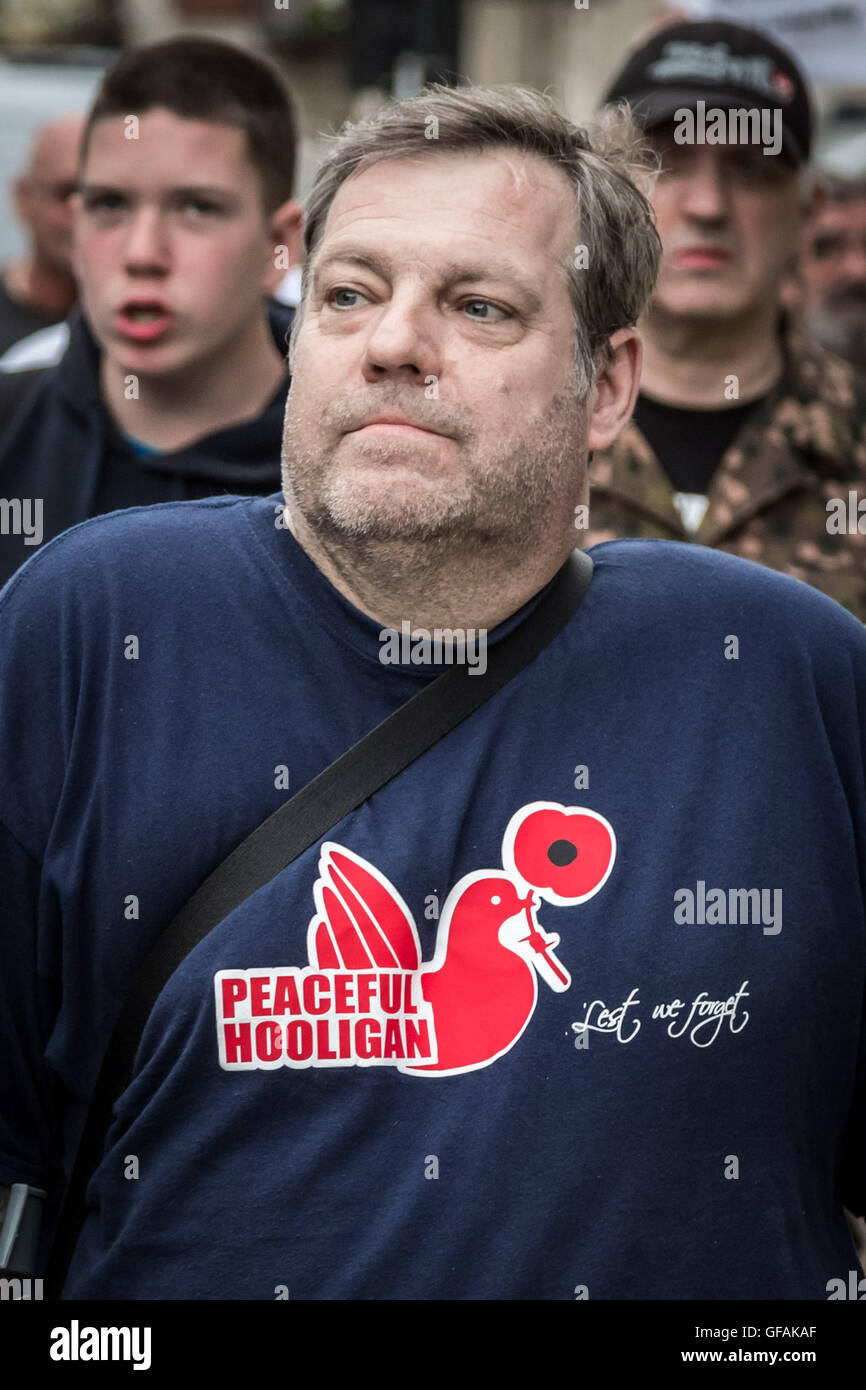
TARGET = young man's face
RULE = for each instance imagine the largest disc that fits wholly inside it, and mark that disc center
(172, 243)
(437, 298)
(728, 217)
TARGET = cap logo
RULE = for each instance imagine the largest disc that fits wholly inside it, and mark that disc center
(715, 63)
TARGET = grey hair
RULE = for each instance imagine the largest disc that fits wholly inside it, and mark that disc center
(613, 270)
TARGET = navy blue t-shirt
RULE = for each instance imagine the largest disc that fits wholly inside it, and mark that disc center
(572, 1008)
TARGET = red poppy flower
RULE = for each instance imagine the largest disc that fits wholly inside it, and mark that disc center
(565, 852)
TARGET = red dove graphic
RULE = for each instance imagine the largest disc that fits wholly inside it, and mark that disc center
(482, 982)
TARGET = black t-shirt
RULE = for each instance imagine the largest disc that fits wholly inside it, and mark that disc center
(689, 443)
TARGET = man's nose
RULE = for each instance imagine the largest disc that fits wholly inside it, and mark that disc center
(705, 190)
(852, 265)
(146, 247)
(404, 338)
(66, 213)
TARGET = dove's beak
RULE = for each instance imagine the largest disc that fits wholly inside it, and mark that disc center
(542, 944)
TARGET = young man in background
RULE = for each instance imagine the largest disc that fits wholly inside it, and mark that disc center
(174, 382)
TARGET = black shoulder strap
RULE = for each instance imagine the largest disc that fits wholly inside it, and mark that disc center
(305, 818)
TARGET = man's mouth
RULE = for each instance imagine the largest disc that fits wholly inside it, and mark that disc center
(397, 422)
(143, 320)
(143, 313)
(846, 297)
(395, 425)
(701, 258)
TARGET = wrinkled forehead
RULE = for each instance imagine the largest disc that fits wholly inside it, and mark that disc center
(429, 206)
(55, 150)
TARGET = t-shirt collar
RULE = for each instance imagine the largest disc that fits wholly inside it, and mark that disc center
(300, 580)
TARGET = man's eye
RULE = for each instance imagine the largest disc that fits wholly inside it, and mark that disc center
(825, 247)
(746, 170)
(755, 167)
(102, 202)
(491, 313)
(201, 207)
(336, 297)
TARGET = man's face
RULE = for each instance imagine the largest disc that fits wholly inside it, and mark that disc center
(172, 242)
(437, 300)
(45, 194)
(833, 276)
(728, 217)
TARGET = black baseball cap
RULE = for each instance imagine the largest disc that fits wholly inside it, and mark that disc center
(724, 65)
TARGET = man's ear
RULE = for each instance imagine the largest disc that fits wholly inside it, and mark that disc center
(616, 388)
(22, 197)
(285, 230)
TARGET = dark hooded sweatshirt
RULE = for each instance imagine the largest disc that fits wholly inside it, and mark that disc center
(63, 450)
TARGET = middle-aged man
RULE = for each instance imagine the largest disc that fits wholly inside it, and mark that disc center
(572, 1006)
(831, 270)
(174, 381)
(39, 288)
(747, 436)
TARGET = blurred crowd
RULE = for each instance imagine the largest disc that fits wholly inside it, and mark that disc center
(144, 329)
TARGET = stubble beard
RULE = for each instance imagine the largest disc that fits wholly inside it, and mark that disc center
(500, 495)
(841, 328)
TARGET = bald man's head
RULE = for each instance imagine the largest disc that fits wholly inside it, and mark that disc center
(44, 189)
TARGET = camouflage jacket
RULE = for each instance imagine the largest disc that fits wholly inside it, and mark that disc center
(803, 446)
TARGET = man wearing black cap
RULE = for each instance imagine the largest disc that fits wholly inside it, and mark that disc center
(745, 434)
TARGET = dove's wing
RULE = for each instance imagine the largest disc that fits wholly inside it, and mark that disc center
(362, 923)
